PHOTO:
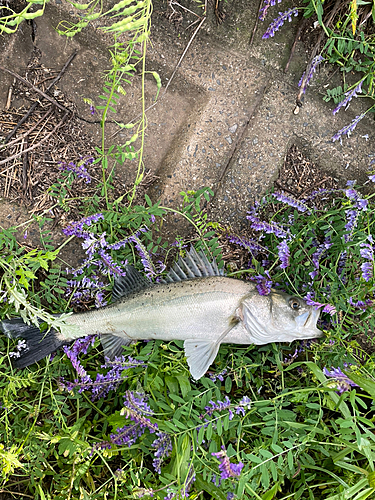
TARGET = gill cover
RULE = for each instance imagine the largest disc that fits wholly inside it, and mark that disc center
(278, 317)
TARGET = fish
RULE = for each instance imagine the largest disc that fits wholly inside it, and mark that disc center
(195, 302)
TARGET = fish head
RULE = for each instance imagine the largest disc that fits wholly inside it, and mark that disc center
(278, 317)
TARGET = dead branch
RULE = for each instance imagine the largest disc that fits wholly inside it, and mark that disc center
(24, 118)
(2, 162)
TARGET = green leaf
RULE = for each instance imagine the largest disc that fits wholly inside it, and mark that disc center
(201, 434)
(276, 448)
(184, 384)
(209, 488)
(228, 384)
(290, 460)
(332, 395)
(67, 447)
(172, 384)
(270, 494)
(350, 492)
(209, 431)
(148, 200)
(366, 384)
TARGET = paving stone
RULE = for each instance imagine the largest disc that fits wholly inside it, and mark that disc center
(226, 120)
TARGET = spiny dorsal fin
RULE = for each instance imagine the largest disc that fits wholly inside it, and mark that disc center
(132, 282)
(193, 265)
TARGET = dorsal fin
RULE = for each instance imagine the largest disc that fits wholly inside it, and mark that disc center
(132, 282)
(193, 265)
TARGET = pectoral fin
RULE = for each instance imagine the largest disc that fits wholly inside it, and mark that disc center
(200, 354)
(113, 345)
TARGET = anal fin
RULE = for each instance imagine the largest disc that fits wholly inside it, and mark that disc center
(113, 345)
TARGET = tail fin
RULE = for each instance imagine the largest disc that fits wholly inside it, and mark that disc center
(38, 344)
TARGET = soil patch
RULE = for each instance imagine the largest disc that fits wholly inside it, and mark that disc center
(300, 177)
(49, 141)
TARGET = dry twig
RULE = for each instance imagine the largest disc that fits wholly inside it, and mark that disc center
(36, 145)
(24, 118)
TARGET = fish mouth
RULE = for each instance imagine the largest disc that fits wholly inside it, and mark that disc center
(308, 321)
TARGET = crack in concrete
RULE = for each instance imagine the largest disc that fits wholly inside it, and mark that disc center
(236, 144)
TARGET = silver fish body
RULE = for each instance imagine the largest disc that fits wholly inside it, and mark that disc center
(196, 305)
(201, 308)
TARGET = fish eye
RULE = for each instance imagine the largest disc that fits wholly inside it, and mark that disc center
(294, 304)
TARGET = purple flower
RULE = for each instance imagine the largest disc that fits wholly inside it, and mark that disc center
(267, 227)
(118, 244)
(144, 255)
(219, 406)
(103, 383)
(245, 403)
(127, 435)
(367, 271)
(348, 97)
(279, 21)
(289, 200)
(341, 264)
(76, 228)
(86, 289)
(92, 109)
(327, 308)
(80, 170)
(330, 309)
(348, 129)
(136, 409)
(110, 265)
(342, 381)
(366, 251)
(316, 256)
(353, 195)
(163, 446)
(314, 64)
(135, 403)
(250, 245)
(362, 204)
(303, 345)
(21, 346)
(218, 376)
(351, 217)
(227, 469)
(264, 284)
(360, 304)
(284, 254)
(267, 4)
(100, 300)
(72, 353)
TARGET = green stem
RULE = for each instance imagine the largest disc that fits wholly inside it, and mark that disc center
(143, 119)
